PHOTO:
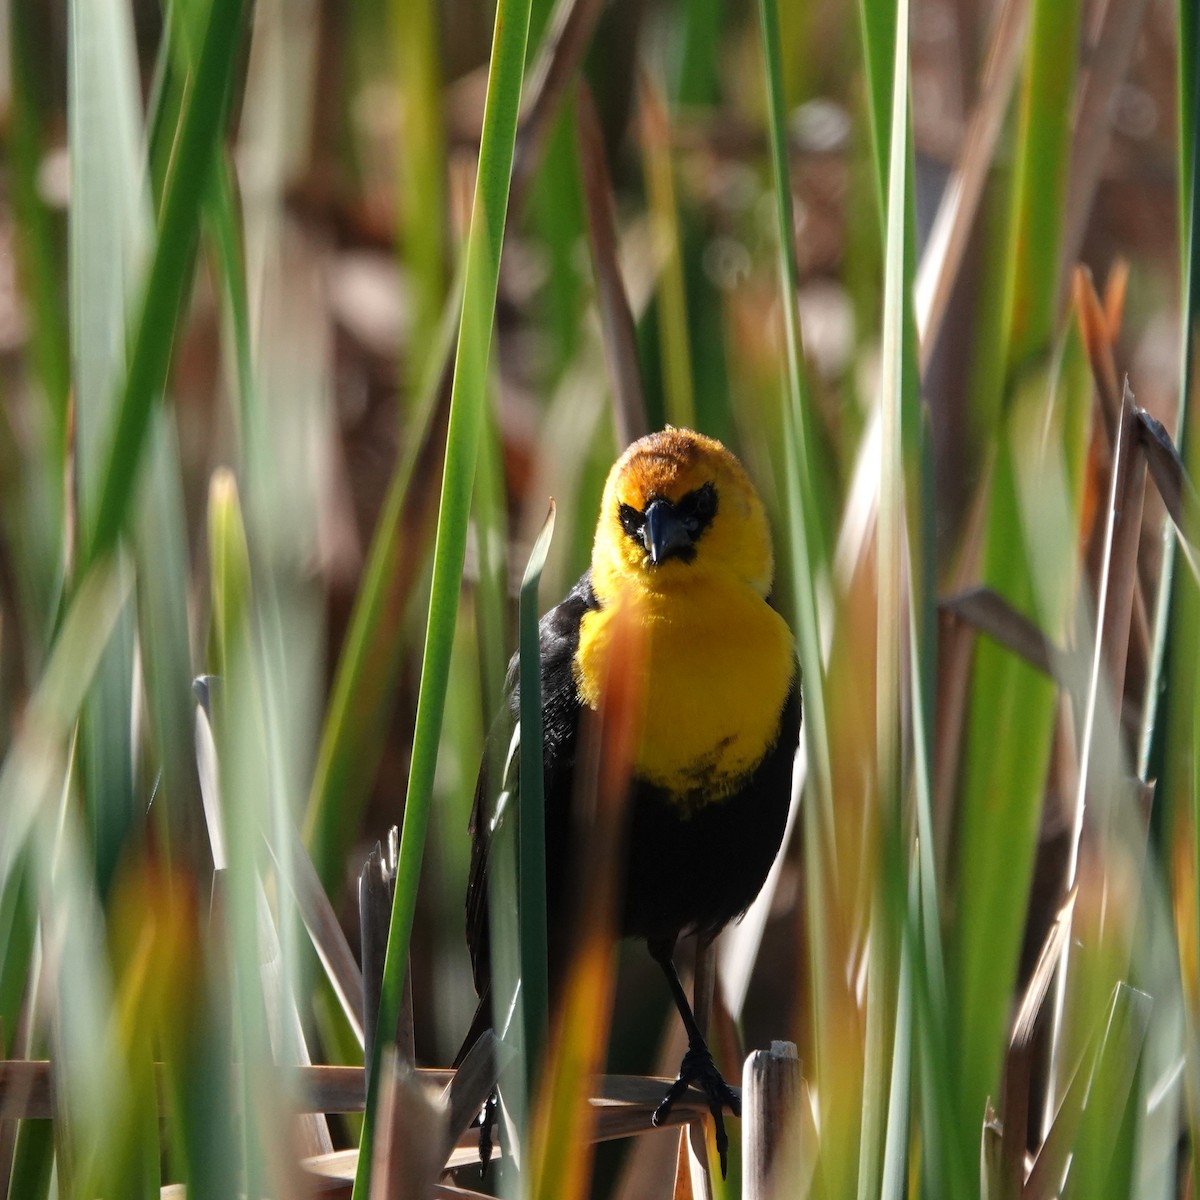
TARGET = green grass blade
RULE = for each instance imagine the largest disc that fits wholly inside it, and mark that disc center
(1031, 535)
(1011, 709)
(908, 488)
(230, 569)
(161, 558)
(39, 258)
(1180, 772)
(16, 952)
(33, 1160)
(535, 994)
(225, 228)
(108, 222)
(367, 670)
(555, 209)
(258, 960)
(178, 51)
(1171, 592)
(467, 399)
(422, 166)
(1043, 138)
(678, 385)
(886, 1085)
(698, 79)
(806, 542)
(36, 852)
(806, 535)
(167, 284)
(1189, 194)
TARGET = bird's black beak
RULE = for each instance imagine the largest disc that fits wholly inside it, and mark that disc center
(663, 533)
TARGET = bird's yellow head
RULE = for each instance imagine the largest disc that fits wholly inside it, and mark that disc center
(679, 508)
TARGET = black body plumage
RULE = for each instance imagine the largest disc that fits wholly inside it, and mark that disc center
(685, 870)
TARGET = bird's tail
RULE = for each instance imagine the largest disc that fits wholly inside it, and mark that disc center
(481, 1022)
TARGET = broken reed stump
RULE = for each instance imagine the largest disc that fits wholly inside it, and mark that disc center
(376, 885)
(770, 1098)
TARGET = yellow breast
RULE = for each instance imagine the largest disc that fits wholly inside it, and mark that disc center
(718, 668)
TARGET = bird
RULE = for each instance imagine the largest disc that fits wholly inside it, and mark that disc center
(683, 550)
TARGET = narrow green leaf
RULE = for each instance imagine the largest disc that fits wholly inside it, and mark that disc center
(108, 223)
(41, 269)
(369, 664)
(1031, 556)
(678, 386)
(805, 536)
(229, 557)
(422, 165)
(161, 556)
(1043, 139)
(166, 288)
(467, 398)
(889, 1036)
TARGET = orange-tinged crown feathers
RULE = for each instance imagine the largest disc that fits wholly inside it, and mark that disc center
(669, 465)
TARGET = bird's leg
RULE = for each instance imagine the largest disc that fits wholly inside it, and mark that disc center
(697, 1066)
(487, 1123)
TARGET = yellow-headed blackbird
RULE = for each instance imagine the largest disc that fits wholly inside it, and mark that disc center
(682, 545)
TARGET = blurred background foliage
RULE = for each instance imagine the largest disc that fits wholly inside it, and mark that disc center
(245, 247)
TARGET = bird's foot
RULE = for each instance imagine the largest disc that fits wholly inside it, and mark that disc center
(698, 1068)
(487, 1123)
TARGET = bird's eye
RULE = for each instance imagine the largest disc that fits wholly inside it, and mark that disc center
(632, 521)
(697, 509)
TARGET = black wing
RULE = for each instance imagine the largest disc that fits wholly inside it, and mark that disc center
(558, 635)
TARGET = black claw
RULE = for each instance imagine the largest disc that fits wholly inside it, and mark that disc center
(487, 1122)
(698, 1068)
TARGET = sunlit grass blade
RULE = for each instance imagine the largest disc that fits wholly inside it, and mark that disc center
(1099, 762)
(888, 1046)
(807, 536)
(1005, 695)
(1032, 533)
(535, 997)
(808, 520)
(468, 395)
(247, 777)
